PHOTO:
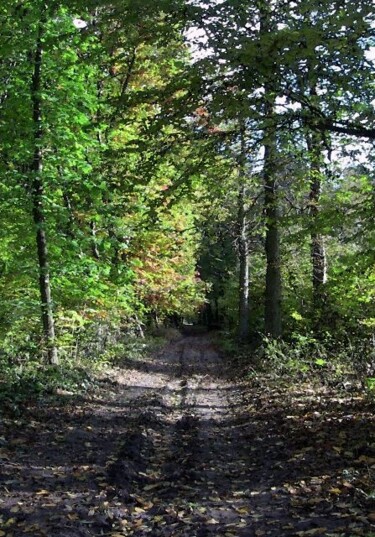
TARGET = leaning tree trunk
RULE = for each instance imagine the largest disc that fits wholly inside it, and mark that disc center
(37, 191)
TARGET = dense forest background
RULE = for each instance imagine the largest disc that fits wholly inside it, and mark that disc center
(169, 162)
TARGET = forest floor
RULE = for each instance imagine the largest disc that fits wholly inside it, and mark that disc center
(173, 445)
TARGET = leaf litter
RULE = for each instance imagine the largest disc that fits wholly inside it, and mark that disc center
(172, 445)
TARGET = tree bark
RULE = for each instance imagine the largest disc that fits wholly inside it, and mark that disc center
(37, 191)
(273, 315)
(318, 252)
(273, 311)
(243, 251)
(244, 281)
(94, 243)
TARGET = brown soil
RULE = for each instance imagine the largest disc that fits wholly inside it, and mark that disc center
(170, 447)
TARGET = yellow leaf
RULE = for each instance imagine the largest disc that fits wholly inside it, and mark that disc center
(242, 510)
(42, 492)
(2, 533)
(335, 491)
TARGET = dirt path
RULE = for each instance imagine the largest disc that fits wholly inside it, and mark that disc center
(169, 447)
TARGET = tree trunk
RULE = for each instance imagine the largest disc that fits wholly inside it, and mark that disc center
(318, 253)
(244, 281)
(273, 315)
(273, 312)
(243, 248)
(94, 243)
(37, 192)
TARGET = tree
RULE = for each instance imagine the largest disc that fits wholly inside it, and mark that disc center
(87, 138)
(37, 193)
(243, 244)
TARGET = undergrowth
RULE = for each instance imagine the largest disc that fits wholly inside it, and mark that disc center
(26, 377)
(305, 357)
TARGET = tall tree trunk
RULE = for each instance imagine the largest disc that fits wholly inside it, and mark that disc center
(318, 253)
(37, 191)
(273, 312)
(244, 278)
(273, 315)
(243, 248)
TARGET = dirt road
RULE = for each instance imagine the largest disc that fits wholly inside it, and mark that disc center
(170, 447)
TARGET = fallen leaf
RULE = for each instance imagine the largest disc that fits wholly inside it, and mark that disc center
(315, 531)
(242, 510)
(335, 491)
(151, 487)
(73, 516)
(365, 459)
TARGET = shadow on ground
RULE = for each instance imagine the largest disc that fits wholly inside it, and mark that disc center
(178, 450)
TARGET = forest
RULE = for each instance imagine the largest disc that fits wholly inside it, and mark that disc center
(185, 163)
(200, 175)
